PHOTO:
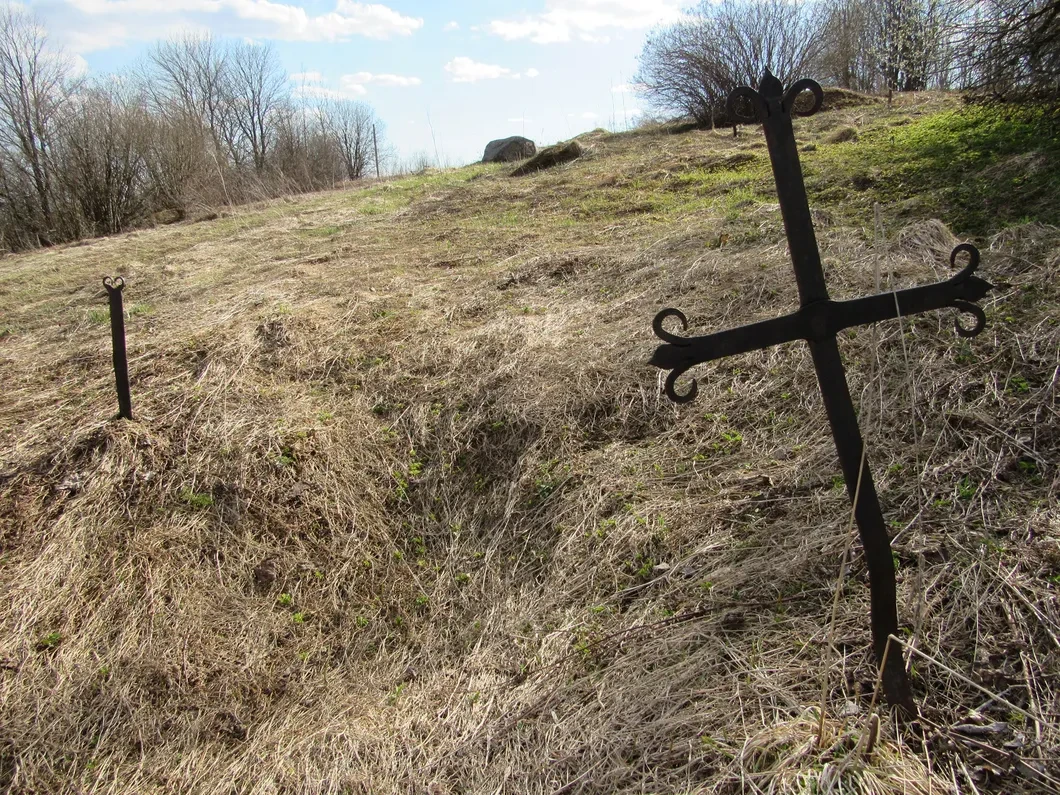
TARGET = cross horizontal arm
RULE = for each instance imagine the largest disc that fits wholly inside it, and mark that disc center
(959, 292)
(818, 321)
(681, 353)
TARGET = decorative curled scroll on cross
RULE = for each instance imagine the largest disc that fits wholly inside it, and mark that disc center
(818, 321)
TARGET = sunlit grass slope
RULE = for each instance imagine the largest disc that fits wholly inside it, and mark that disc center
(403, 509)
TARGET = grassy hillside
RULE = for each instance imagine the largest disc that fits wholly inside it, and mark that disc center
(403, 509)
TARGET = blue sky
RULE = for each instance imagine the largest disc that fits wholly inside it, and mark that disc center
(469, 70)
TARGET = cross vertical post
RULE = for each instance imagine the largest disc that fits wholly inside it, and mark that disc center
(818, 321)
(117, 335)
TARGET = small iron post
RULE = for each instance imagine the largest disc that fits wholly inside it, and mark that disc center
(117, 333)
(818, 321)
(375, 146)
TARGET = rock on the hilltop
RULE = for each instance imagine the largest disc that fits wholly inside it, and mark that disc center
(550, 156)
(508, 150)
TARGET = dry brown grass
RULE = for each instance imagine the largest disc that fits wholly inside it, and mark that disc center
(403, 510)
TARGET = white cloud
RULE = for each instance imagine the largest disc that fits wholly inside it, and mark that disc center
(520, 120)
(311, 84)
(448, 26)
(564, 20)
(623, 88)
(363, 78)
(588, 115)
(465, 70)
(108, 23)
(322, 92)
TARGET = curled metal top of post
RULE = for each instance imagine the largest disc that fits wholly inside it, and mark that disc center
(770, 88)
(113, 283)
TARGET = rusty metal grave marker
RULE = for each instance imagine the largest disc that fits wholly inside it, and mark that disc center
(818, 321)
(117, 335)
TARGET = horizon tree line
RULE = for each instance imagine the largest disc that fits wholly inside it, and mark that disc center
(999, 50)
(201, 122)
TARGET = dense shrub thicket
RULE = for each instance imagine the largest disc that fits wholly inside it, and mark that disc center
(203, 122)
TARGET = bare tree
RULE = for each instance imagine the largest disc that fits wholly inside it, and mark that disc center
(204, 122)
(349, 125)
(190, 79)
(847, 56)
(1012, 50)
(692, 65)
(102, 158)
(305, 155)
(256, 87)
(912, 42)
(34, 84)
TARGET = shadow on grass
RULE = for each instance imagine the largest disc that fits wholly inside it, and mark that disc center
(978, 169)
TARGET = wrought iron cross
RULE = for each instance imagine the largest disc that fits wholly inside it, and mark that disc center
(818, 321)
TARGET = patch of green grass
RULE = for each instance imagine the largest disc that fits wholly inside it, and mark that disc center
(395, 694)
(1018, 385)
(978, 169)
(139, 309)
(731, 441)
(50, 641)
(196, 499)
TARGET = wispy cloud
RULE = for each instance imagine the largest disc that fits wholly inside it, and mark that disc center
(352, 86)
(107, 23)
(465, 70)
(311, 90)
(448, 26)
(361, 79)
(583, 20)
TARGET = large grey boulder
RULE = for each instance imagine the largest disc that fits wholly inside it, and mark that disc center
(508, 150)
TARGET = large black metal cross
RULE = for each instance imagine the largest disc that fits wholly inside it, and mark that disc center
(818, 321)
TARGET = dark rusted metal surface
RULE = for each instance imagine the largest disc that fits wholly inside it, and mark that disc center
(817, 321)
(117, 334)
